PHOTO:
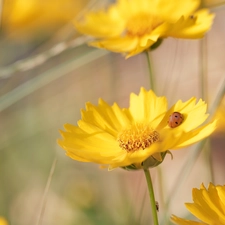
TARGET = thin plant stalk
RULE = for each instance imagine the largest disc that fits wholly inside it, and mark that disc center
(152, 86)
(152, 196)
(44, 200)
(203, 69)
(204, 95)
(146, 171)
(160, 185)
(182, 177)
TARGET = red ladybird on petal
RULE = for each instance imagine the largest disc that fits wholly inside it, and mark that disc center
(175, 119)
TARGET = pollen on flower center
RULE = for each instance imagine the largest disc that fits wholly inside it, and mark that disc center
(142, 24)
(137, 137)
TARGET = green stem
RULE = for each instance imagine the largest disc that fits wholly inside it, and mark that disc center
(151, 195)
(204, 95)
(203, 69)
(44, 200)
(160, 184)
(152, 86)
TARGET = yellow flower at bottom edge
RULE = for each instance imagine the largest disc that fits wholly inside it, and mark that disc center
(208, 206)
(132, 26)
(3, 221)
(109, 135)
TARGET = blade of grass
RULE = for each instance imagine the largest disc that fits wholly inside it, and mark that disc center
(44, 198)
(47, 77)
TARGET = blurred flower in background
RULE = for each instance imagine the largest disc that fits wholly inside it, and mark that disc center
(122, 137)
(130, 27)
(31, 26)
(3, 221)
(25, 19)
(208, 206)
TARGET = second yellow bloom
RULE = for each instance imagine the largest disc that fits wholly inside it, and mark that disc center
(132, 26)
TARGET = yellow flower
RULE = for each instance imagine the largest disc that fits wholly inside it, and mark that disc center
(208, 206)
(27, 18)
(219, 115)
(132, 26)
(109, 135)
(3, 221)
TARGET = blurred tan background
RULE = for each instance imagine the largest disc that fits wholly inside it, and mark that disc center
(48, 73)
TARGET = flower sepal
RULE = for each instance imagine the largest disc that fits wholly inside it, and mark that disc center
(156, 44)
(131, 167)
(155, 160)
(150, 162)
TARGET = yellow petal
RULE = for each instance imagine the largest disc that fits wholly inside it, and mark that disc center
(197, 135)
(146, 106)
(108, 118)
(98, 147)
(177, 7)
(193, 117)
(180, 221)
(101, 24)
(215, 197)
(205, 207)
(120, 44)
(178, 107)
(139, 48)
(192, 27)
(221, 194)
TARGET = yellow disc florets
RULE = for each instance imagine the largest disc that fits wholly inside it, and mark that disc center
(138, 136)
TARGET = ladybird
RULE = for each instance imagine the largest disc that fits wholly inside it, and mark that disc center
(175, 119)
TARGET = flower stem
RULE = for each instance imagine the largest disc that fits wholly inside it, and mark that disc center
(204, 95)
(152, 86)
(203, 69)
(151, 195)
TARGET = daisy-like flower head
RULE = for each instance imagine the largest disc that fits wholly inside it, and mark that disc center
(208, 206)
(132, 26)
(136, 137)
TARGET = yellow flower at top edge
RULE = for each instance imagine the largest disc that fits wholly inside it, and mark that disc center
(115, 137)
(132, 26)
(27, 18)
(208, 206)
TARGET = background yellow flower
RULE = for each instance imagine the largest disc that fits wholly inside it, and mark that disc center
(132, 26)
(27, 18)
(208, 206)
(3, 221)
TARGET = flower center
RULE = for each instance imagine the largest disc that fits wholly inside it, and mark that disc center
(138, 136)
(142, 24)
